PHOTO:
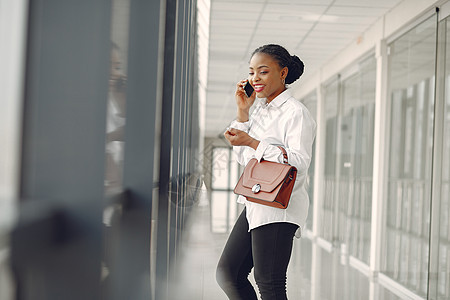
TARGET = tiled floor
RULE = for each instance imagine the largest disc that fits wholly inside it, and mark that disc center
(313, 274)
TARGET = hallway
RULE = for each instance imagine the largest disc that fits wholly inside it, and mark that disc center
(314, 273)
(111, 126)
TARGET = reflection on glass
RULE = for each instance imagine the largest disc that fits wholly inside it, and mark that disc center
(347, 204)
(225, 174)
(220, 168)
(328, 215)
(114, 147)
(356, 160)
(115, 121)
(406, 228)
(220, 208)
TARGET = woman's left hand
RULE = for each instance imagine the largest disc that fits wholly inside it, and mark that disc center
(238, 137)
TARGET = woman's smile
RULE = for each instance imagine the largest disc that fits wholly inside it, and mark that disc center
(258, 87)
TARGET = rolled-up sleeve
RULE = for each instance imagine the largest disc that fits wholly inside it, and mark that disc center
(239, 150)
(300, 134)
(244, 126)
(268, 151)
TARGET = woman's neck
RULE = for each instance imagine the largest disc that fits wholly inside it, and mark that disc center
(270, 100)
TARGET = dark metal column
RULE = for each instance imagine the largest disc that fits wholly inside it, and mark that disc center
(176, 182)
(162, 249)
(130, 276)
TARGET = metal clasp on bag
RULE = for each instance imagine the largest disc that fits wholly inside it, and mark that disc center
(256, 188)
(290, 176)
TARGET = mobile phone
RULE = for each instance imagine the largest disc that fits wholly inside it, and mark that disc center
(248, 89)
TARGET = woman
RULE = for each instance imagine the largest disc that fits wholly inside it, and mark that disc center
(262, 237)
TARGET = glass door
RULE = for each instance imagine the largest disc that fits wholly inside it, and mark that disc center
(356, 163)
(405, 252)
(443, 249)
(328, 229)
(224, 175)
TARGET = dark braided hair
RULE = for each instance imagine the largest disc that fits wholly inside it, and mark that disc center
(281, 55)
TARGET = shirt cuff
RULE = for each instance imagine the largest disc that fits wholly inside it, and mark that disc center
(241, 199)
(259, 152)
(244, 126)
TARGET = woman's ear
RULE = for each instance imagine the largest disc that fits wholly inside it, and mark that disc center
(284, 73)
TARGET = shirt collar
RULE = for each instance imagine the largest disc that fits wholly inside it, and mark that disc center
(278, 101)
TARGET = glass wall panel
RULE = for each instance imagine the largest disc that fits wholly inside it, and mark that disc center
(182, 141)
(224, 175)
(356, 160)
(444, 238)
(407, 210)
(115, 140)
(221, 158)
(328, 215)
(219, 208)
(310, 101)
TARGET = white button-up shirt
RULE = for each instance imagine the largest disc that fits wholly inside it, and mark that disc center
(287, 122)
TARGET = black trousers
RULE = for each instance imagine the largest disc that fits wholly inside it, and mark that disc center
(267, 249)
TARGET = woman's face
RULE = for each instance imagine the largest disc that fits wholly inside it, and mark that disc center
(266, 76)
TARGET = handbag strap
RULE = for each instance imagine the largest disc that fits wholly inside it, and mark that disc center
(285, 157)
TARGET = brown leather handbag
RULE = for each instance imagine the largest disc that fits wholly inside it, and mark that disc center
(266, 182)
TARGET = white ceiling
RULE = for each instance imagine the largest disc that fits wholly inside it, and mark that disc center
(314, 30)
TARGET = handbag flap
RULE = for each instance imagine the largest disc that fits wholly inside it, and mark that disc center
(267, 174)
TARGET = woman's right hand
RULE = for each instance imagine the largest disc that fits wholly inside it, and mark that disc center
(243, 102)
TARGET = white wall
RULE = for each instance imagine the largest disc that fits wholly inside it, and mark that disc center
(391, 24)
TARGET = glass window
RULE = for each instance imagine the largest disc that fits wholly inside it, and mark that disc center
(407, 210)
(328, 216)
(224, 176)
(347, 204)
(356, 159)
(220, 168)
